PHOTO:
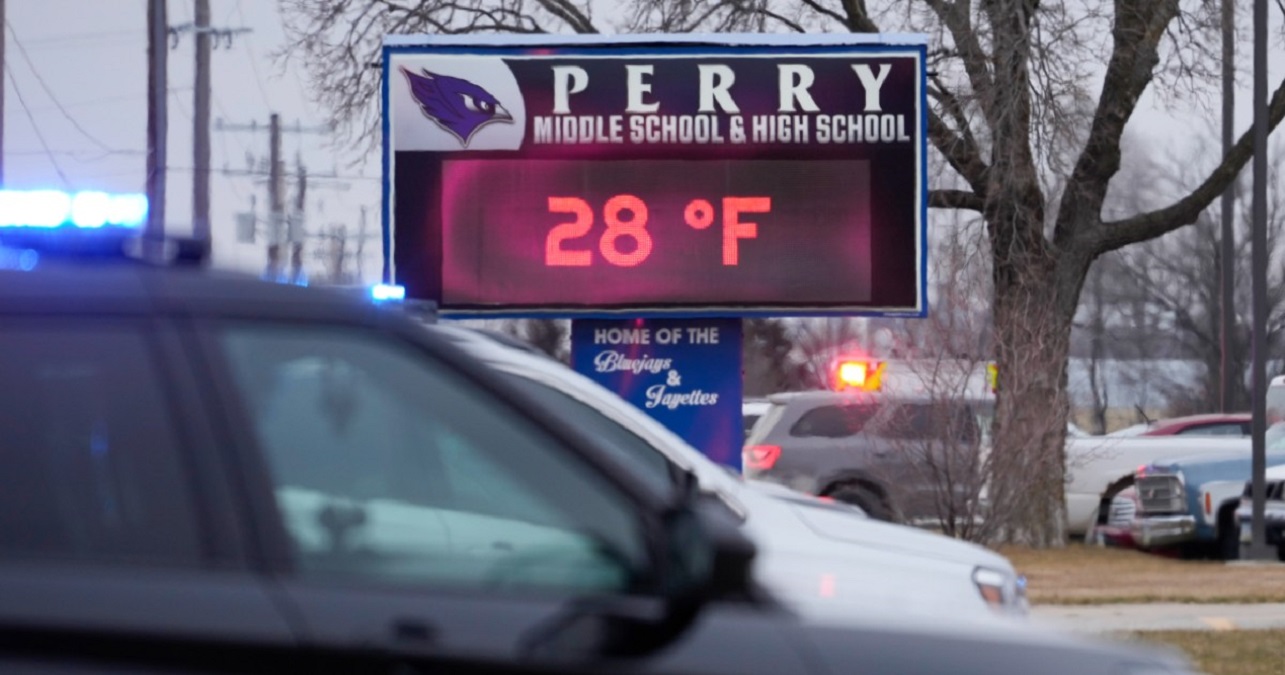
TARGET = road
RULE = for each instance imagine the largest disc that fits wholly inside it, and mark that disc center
(1161, 616)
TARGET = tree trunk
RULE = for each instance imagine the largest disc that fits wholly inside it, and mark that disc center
(1033, 314)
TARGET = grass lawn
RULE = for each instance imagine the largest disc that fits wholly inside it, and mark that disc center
(1238, 652)
(1079, 575)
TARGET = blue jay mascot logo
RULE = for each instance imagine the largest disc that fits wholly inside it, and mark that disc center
(455, 104)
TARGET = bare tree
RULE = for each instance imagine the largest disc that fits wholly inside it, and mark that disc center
(1011, 81)
(551, 336)
(951, 439)
(1178, 277)
(767, 355)
(818, 343)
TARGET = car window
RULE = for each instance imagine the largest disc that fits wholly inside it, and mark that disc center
(1215, 429)
(939, 421)
(90, 467)
(390, 467)
(765, 424)
(646, 462)
(834, 421)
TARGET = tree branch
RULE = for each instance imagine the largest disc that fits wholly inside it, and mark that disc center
(792, 25)
(960, 148)
(1113, 235)
(858, 17)
(816, 7)
(567, 12)
(1139, 27)
(955, 199)
(955, 16)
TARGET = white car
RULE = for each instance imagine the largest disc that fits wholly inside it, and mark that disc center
(827, 561)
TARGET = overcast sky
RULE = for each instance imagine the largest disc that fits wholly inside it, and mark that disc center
(78, 68)
(90, 58)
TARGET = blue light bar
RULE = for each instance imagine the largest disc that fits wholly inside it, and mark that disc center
(386, 292)
(47, 209)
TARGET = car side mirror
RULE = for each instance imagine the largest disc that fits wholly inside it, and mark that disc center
(714, 558)
(704, 558)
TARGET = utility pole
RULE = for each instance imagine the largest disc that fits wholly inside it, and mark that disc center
(1258, 549)
(207, 37)
(201, 127)
(2, 48)
(279, 232)
(1227, 256)
(157, 27)
(296, 231)
(276, 203)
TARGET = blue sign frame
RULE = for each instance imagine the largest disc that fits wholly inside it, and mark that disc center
(651, 45)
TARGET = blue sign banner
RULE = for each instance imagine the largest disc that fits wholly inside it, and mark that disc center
(686, 373)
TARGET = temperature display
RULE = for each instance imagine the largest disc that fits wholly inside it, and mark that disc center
(626, 216)
(669, 234)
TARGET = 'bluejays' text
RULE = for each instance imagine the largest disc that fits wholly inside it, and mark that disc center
(798, 118)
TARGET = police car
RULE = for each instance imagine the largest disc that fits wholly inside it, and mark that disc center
(203, 472)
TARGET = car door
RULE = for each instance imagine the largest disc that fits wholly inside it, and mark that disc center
(931, 453)
(827, 439)
(115, 520)
(421, 513)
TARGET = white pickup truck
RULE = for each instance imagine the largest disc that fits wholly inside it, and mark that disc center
(1097, 467)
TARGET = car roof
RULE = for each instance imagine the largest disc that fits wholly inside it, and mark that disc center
(483, 346)
(852, 397)
(1205, 418)
(116, 286)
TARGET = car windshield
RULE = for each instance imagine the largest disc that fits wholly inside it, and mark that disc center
(643, 460)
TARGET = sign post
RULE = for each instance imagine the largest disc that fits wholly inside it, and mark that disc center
(657, 177)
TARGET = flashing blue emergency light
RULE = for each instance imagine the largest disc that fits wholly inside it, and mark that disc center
(45, 209)
(387, 292)
(83, 224)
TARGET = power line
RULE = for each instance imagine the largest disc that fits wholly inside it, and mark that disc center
(254, 61)
(218, 103)
(36, 128)
(81, 38)
(178, 103)
(44, 85)
(223, 148)
(78, 155)
(94, 101)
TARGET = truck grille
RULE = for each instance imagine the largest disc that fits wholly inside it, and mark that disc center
(1161, 494)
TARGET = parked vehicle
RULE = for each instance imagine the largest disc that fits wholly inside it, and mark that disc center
(1213, 424)
(889, 453)
(751, 410)
(1118, 529)
(1099, 467)
(1191, 503)
(838, 559)
(1274, 510)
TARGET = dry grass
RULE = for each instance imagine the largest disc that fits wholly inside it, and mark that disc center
(1090, 575)
(1244, 652)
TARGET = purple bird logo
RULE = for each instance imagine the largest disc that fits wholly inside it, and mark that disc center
(455, 104)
